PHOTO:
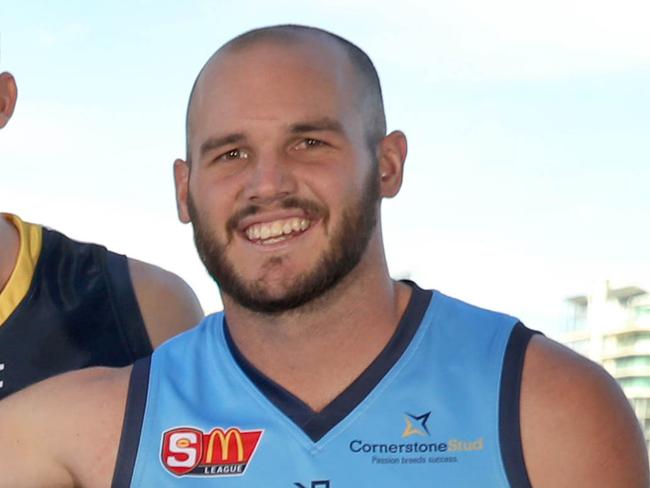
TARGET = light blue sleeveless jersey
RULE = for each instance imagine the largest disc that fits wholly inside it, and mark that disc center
(439, 407)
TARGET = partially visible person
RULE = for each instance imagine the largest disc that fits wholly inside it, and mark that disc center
(66, 305)
(8, 95)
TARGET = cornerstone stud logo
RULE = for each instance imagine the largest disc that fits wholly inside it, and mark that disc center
(220, 452)
(416, 424)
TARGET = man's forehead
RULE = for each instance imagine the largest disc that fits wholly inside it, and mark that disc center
(299, 53)
(270, 64)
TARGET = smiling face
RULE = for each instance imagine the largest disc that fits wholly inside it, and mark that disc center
(283, 190)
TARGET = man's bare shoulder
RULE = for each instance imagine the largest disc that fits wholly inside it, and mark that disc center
(168, 304)
(578, 429)
(65, 430)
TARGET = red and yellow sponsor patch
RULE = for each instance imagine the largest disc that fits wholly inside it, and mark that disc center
(220, 452)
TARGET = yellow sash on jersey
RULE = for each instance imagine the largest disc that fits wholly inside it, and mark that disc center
(31, 240)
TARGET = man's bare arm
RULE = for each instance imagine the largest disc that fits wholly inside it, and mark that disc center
(578, 429)
(168, 304)
(63, 432)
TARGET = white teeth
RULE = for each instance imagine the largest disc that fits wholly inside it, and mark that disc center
(271, 232)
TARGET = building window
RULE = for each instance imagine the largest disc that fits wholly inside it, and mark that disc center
(633, 362)
(635, 382)
(636, 339)
(641, 315)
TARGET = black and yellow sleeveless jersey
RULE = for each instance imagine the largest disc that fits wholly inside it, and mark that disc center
(67, 305)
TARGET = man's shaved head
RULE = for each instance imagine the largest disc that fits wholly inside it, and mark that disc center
(369, 88)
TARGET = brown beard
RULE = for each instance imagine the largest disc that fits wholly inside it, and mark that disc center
(347, 246)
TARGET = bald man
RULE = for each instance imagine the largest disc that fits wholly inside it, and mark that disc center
(66, 305)
(322, 371)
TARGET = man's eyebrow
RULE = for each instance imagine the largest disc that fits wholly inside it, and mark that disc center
(324, 124)
(215, 142)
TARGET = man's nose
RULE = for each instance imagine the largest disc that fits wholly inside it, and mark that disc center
(271, 178)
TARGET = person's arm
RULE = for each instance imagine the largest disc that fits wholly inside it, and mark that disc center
(578, 429)
(64, 431)
(168, 305)
(9, 246)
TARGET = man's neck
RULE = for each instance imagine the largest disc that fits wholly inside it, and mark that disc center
(9, 246)
(318, 352)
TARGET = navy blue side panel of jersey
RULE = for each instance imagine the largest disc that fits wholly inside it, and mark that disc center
(509, 400)
(68, 318)
(316, 425)
(125, 307)
(132, 424)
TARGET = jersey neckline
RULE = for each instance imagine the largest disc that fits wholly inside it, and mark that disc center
(316, 424)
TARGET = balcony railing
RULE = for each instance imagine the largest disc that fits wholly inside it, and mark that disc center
(629, 371)
(638, 349)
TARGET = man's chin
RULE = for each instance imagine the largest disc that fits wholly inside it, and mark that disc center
(268, 304)
(273, 297)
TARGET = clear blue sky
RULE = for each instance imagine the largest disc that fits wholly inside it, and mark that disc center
(529, 127)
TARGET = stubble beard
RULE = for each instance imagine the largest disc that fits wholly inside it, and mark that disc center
(347, 246)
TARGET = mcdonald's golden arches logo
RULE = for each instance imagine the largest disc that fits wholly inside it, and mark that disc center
(220, 452)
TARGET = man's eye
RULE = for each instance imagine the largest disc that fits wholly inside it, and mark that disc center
(309, 143)
(233, 154)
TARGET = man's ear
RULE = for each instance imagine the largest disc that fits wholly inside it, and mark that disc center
(391, 157)
(182, 184)
(8, 95)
